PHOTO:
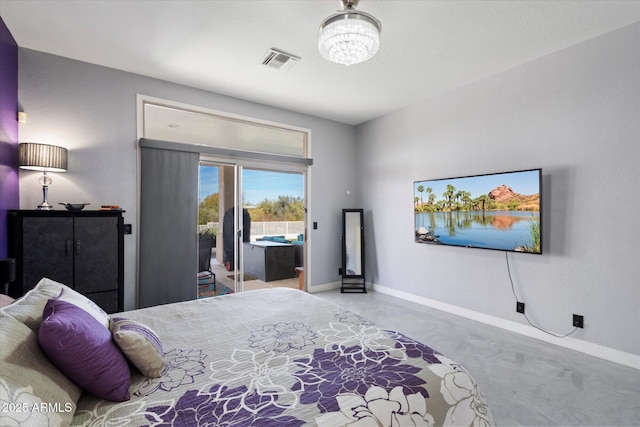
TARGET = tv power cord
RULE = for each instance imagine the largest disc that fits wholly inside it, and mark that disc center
(506, 254)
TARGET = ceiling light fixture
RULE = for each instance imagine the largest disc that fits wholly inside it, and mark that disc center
(349, 37)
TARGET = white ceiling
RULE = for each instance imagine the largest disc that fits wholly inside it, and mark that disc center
(427, 47)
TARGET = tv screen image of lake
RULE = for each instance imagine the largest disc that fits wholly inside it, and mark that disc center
(505, 230)
(495, 211)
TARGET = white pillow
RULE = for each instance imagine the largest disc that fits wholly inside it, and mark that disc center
(140, 344)
(28, 308)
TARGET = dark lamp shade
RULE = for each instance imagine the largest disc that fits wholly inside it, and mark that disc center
(42, 157)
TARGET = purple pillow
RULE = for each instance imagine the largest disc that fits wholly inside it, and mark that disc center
(78, 345)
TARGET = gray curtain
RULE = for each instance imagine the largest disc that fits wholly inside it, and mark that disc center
(168, 226)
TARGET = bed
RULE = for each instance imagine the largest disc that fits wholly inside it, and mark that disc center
(273, 357)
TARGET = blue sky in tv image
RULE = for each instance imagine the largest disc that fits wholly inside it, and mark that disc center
(502, 229)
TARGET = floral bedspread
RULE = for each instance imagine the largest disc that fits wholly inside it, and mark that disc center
(281, 357)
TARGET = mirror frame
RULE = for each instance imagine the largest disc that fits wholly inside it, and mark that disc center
(344, 244)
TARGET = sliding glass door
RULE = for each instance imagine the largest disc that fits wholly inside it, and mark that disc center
(254, 218)
(217, 229)
(273, 256)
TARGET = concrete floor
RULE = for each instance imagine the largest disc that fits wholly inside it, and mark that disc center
(226, 278)
(525, 381)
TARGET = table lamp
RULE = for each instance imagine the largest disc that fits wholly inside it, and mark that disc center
(45, 158)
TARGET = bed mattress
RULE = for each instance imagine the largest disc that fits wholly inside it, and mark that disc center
(282, 357)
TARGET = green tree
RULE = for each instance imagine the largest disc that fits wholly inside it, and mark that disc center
(421, 190)
(465, 198)
(449, 195)
(284, 208)
(430, 197)
(208, 210)
(483, 201)
(458, 199)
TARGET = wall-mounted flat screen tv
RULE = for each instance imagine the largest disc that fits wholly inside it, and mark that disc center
(500, 211)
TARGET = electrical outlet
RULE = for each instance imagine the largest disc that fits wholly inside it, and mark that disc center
(520, 307)
(578, 321)
(339, 271)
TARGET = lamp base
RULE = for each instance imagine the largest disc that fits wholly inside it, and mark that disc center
(45, 181)
(7, 273)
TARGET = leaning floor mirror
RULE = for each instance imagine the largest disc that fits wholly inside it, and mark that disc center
(353, 251)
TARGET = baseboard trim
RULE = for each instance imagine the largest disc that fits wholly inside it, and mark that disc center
(324, 287)
(596, 350)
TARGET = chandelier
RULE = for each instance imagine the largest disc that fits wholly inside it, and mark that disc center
(349, 37)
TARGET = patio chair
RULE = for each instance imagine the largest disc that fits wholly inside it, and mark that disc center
(206, 243)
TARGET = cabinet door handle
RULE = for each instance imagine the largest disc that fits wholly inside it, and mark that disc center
(67, 248)
(78, 247)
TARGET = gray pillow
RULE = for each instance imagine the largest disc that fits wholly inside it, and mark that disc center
(28, 308)
(140, 344)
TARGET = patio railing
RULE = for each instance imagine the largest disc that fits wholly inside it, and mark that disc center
(289, 229)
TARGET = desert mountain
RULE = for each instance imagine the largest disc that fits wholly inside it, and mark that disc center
(504, 195)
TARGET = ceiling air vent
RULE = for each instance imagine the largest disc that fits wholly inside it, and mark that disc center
(279, 60)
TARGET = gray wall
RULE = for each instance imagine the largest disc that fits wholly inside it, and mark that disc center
(91, 110)
(575, 114)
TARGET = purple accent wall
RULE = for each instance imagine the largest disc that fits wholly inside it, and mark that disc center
(8, 130)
